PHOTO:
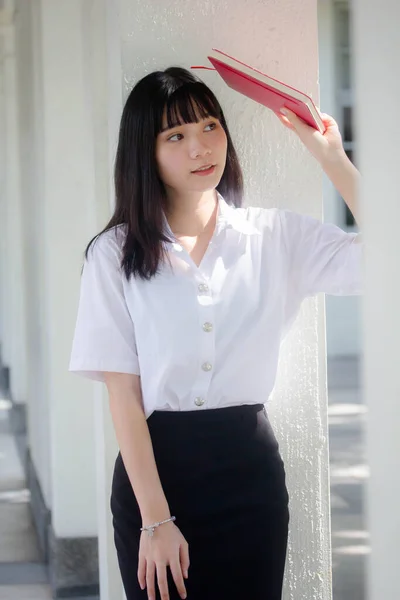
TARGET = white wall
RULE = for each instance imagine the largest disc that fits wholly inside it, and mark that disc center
(57, 192)
(33, 181)
(3, 150)
(379, 156)
(14, 317)
(281, 39)
(68, 196)
(22, 284)
(326, 45)
(343, 316)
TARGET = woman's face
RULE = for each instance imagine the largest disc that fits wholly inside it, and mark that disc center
(184, 149)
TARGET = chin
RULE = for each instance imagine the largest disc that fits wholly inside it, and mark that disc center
(207, 183)
(205, 188)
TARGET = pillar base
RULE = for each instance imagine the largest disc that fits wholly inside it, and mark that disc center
(73, 566)
(4, 378)
(17, 418)
(16, 414)
(73, 563)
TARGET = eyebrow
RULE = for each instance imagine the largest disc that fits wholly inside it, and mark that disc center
(167, 128)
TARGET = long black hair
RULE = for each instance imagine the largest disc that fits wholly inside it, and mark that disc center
(139, 192)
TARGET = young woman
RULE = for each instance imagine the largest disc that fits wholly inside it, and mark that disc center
(185, 299)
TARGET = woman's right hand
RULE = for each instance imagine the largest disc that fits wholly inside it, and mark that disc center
(166, 548)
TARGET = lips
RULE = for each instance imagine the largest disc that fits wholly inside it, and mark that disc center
(203, 168)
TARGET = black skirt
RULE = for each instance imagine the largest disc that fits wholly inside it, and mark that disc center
(224, 480)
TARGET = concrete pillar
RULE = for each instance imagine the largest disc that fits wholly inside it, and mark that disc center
(102, 62)
(63, 132)
(13, 269)
(38, 417)
(3, 241)
(278, 172)
(378, 132)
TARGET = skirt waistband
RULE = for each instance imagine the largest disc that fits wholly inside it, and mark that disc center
(206, 415)
(224, 430)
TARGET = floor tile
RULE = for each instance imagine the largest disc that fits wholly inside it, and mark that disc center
(25, 592)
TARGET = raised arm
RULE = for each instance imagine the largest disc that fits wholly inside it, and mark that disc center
(328, 150)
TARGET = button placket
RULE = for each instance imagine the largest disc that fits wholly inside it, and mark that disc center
(206, 352)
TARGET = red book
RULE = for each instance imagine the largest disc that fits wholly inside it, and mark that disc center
(265, 90)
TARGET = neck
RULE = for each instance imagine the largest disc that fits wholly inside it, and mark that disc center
(190, 214)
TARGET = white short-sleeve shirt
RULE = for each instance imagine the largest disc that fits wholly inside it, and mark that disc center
(209, 336)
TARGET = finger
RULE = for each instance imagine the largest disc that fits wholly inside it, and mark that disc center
(142, 571)
(176, 571)
(184, 559)
(150, 572)
(291, 118)
(328, 120)
(285, 121)
(300, 127)
(162, 581)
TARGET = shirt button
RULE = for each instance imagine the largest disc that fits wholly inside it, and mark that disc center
(199, 401)
(207, 327)
(203, 287)
(206, 366)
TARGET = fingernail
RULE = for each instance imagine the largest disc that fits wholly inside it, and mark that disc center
(284, 111)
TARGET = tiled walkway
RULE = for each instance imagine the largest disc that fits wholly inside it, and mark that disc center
(350, 540)
(25, 592)
(23, 576)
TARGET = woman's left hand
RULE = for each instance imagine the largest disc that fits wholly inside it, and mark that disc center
(324, 147)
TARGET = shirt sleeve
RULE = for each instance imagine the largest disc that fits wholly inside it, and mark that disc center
(104, 338)
(322, 257)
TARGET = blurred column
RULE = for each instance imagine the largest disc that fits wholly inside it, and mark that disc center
(3, 242)
(67, 205)
(14, 341)
(377, 77)
(103, 76)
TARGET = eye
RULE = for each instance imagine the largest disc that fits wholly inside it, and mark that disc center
(171, 138)
(213, 126)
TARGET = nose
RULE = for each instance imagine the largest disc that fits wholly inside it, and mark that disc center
(198, 148)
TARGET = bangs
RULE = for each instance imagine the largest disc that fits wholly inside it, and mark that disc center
(191, 103)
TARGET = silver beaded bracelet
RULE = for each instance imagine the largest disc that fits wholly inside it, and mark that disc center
(151, 528)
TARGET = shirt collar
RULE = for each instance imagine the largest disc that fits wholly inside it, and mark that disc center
(231, 217)
(228, 217)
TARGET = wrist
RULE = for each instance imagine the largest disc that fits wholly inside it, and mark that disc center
(334, 158)
(155, 516)
(153, 527)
